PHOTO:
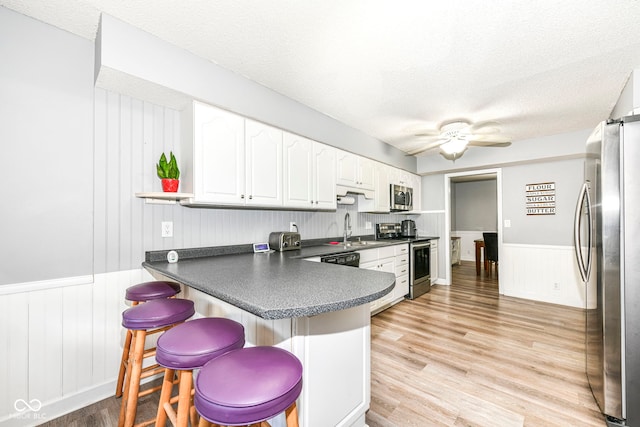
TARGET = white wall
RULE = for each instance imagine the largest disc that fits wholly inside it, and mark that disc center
(474, 206)
(557, 229)
(46, 103)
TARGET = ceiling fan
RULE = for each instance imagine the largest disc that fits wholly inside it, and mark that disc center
(455, 136)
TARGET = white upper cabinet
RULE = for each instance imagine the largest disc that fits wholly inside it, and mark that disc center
(263, 155)
(324, 174)
(218, 155)
(355, 171)
(231, 160)
(416, 183)
(309, 173)
(298, 171)
(380, 202)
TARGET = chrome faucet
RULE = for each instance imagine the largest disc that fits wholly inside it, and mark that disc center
(347, 228)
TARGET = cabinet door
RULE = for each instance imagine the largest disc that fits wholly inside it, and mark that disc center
(347, 169)
(366, 173)
(219, 165)
(298, 174)
(324, 172)
(382, 202)
(263, 164)
(402, 287)
(416, 184)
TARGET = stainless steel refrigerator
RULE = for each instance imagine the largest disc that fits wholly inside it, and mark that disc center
(607, 241)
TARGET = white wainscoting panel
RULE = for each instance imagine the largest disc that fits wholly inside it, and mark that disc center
(61, 346)
(541, 273)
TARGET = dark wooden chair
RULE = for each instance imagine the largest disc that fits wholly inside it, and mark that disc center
(491, 251)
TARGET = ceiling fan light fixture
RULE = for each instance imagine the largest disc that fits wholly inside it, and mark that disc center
(455, 147)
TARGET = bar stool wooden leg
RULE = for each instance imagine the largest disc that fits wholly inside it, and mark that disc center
(124, 361)
(292, 415)
(184, 400)
(165, 396)
(132, 383)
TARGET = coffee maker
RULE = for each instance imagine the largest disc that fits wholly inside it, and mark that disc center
(408, 228)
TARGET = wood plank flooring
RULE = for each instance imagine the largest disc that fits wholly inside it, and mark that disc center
(462, 355)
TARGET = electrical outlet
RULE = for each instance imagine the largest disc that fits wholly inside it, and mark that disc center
(367, 225)
(507, 223)
(293, 226)
(167, 229)
(556, 286)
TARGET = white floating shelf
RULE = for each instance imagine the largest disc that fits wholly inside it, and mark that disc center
(162, 198)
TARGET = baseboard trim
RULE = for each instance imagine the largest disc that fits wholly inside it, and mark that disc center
(59, 407)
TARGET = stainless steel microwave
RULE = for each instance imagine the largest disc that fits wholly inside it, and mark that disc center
(401, 198)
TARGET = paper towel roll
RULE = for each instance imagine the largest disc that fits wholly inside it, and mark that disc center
(346, 200)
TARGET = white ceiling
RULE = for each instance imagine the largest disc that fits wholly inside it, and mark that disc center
(391, 68)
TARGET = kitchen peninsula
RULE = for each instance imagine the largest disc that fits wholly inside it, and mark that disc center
(319, 312)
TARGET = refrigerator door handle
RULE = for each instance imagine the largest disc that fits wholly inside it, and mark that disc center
(584, 266)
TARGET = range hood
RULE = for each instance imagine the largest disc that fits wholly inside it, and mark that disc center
(341, 190)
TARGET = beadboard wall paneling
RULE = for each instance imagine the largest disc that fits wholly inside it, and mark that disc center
(130, 136)
(531, 272)
(63, 347)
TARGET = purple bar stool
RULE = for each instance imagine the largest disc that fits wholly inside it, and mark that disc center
(136, 294)
(187, 347)
(248, 386)
(149, 318)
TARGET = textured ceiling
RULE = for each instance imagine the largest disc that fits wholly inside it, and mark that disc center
(392, 68)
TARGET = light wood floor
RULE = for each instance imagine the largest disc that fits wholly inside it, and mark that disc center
(462, 355)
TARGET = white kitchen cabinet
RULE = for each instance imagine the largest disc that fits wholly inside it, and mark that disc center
(263, 155)
(401, 253)
(355, 171)
(391, 259)
(324, 175)
(381, 200)
(230, 160)
(433, 261)
(415, 182)
(263, 159)
(214, 155)
(401, 177)
(309, 173)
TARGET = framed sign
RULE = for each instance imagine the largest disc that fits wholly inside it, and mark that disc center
(541, 198)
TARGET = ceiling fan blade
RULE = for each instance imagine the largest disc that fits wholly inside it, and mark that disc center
(454, 124)
(495, 143)
(428, 138)
(484, 127)
(427, 147)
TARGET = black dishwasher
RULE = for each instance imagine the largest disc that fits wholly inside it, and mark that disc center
(350, 259)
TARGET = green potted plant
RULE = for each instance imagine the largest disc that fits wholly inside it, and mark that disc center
(169, 173)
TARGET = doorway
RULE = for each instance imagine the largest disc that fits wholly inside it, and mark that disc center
(470, 176)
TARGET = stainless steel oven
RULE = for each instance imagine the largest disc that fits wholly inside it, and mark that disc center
(420, 268)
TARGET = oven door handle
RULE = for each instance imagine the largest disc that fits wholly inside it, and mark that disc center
(420, 245)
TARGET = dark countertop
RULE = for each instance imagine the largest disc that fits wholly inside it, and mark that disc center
(275, 285)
